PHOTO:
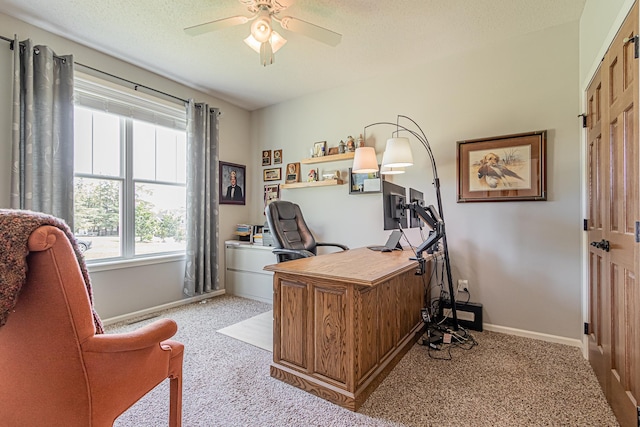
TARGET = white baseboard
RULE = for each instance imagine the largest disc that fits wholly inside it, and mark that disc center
(535, 335)
(146, 311)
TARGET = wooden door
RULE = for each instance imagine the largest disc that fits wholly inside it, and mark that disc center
(614, 343)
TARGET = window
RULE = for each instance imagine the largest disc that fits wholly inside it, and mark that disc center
(130, 173)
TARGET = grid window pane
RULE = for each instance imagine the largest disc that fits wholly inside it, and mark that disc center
(83, 141)
(144, 150)
(97, 217)
(106, 144)
(159, 218)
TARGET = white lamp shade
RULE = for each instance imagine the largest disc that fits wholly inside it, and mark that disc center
(397, 153)
(386, 170)
(365, 160)
(277, 41)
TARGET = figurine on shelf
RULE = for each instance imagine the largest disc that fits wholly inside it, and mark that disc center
(341, 147)
(351, 144)
(360, 141)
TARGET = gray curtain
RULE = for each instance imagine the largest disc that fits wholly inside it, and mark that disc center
(42, 136)
(201, 270)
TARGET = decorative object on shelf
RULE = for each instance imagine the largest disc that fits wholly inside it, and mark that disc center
(342, 147)
(277, 157)
(263, 38)
(319, 148)
(503, 168)
(332, 151)
(266, 157)
(351, 144)
(293, 173)
(271, 193)
(231, 183)
(362, 183)
(360, 141)
(271, 174)
(313, 175)
(398, 147)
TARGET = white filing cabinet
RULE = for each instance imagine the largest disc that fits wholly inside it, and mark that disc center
(244, 275)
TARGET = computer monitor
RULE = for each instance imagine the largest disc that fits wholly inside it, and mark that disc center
(394, 197)
(415, 196)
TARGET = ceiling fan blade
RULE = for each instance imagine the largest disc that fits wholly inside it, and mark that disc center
(310, 30)
(196, 30)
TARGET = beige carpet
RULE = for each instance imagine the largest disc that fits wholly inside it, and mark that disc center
(505, 381)
(257, 331)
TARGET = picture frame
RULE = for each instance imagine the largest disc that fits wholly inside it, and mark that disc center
(332, 151)
(502, 168)
(277, 157)
(230, 192)
(293, 173)
(271, 174)
(319, 148)
(266, 157)
(365, 183)
(271, 193)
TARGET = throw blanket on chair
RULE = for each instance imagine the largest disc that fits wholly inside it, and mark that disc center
(15, 228)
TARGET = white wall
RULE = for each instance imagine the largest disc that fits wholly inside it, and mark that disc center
(522, 259)
(123, 291)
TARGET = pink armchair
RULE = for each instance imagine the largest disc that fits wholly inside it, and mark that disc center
(55, 370)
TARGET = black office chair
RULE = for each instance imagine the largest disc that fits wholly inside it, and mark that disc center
(292, 238)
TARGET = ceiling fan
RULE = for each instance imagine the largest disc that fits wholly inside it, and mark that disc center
(263, 39)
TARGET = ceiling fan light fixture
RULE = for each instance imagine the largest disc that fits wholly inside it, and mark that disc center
(261, 29)
(277, 41)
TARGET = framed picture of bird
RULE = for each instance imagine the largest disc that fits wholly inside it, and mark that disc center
(503, 168)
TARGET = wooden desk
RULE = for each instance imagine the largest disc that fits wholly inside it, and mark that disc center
(342, 321)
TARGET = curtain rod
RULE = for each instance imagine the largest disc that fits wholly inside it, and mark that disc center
(135, 85)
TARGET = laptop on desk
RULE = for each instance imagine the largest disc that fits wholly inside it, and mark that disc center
(393, 242)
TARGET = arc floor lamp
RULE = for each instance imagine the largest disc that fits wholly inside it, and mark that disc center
(398, 155)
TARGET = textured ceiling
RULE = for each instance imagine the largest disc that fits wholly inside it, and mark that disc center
(376, 36)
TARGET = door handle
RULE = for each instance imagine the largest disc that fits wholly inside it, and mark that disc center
(602, 244)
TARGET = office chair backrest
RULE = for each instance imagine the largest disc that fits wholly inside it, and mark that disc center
(288, 227)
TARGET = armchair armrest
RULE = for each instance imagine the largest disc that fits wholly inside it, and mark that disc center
(300, 252)
(144, 337)
(338, 245)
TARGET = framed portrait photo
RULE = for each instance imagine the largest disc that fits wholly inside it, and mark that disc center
(271, 174)
(277, 157)
(271, 193)
(503, 168)
(266, 157)
(232, 181)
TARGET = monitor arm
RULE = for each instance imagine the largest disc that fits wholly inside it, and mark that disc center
(432, 219)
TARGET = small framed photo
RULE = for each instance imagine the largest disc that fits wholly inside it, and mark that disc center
(319, 148)
(271, 193)
(362, 183)
(232, 179)
(503, 168)
(332, 151)
(266, 157)
(271, 174)
(293, 173)
(277, 157)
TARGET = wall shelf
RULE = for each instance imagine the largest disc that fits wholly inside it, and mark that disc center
(324, 183)
(331, 158)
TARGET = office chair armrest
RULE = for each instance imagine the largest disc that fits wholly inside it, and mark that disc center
(300, 252)
(338, 245)
(144, 337)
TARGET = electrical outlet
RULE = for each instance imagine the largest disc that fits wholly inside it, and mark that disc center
(463, 285)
